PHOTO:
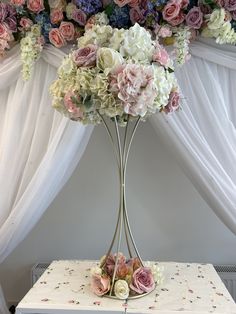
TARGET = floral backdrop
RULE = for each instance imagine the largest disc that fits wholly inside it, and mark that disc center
(35, 23)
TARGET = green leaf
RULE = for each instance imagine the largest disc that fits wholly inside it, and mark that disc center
(109, 9)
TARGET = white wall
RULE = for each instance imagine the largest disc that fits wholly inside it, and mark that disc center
(170, 220)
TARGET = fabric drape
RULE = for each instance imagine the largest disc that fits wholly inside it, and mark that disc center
(202, 135)
(39, 148)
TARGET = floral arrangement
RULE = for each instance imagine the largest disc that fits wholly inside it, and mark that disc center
(59, 22)
(131, 278)
(115, 72)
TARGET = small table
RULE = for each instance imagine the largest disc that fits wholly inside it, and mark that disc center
(188, 288)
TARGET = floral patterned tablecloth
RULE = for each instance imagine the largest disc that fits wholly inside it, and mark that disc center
(188, 288)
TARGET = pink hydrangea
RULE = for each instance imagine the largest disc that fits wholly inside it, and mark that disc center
(74, 111)
(161, 55)
(134, 86)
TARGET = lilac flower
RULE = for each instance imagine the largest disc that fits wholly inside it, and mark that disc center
(120, 17)
(89, 7)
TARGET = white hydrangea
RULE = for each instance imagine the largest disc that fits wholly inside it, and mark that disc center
(117, 38)
(157, 272)
(182, 39)
(137, 45)
(97, 35)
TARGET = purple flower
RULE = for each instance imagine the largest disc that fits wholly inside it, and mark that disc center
(194, 18)
(120, 17)
(11, 22)
(90, 7)
(79, 16)
(142, 280)
(3, 12)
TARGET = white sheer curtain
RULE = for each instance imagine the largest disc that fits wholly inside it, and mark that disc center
(202, 136)
(39, 148)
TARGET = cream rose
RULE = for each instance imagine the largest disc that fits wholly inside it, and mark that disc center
(216, 19)
(121, 289)
(108, 59)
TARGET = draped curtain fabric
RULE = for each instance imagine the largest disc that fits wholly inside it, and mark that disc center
(202, 135)
(39, 148)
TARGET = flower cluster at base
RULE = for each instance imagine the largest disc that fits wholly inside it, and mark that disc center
(116, 73)
(131, 278)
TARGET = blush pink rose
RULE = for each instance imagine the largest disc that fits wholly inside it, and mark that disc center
(184, 4)
(25, 23)
(142, 280)
(110, 263)
(67, 30)
(178, 19)
(56, 38)
(171, 10)
(122, 3)
(17, 2)
(79, 16)
(56, 16)
(100, 284)
(194, 18)
(35, 6)
(85, 57)
(173, 102)
(161, 55)
(4, 32)
(137, 15)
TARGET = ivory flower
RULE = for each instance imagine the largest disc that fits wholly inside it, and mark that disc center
(121, 289)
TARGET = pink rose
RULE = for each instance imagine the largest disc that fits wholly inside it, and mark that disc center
(85, 57)
(142, 280)
(178, 19)
(79, 16)
(171, 10)
(56, 38)
(25, 23)
(230, 5)
(56, 16)
(194, 18)
(110, 263)
(106, 2)
(173, 103)
(67, 30)
(134, 3)
(17, 2)
(161, 55)
(11, 23)
(122, 3)
(184, 4)
(74, 111)
(4, 32)
(137, 15)
(133, 84)
(100, 284)
(35, 6)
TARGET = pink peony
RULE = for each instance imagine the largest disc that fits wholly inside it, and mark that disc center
(56, 16)
(85, 57)
(25, 23)
(100, 284)
(171, 10)
(122, 3)
(35, 6)
(173, 102)
(142, 280)
(56, 38)
(67, 30)
(79, 16)
(134, 86)
(194, 18)
(71, 107)
(137, 15)
(17, 2)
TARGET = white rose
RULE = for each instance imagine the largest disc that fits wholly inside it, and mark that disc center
(216, 19)
(108, 59)
(96, 271)
(56, 4)
(137, 45)
(121, 289)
